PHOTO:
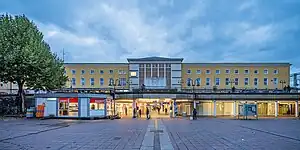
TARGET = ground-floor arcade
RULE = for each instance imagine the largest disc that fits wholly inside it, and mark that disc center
(163, 107)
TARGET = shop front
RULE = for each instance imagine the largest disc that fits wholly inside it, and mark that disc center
(72, 105)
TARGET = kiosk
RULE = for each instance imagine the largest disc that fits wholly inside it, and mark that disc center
(72, 105)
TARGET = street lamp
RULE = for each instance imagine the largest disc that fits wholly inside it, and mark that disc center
(114, 84)
(282, 82)
(193, 83)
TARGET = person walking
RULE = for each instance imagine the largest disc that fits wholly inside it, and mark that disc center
(147, 113)
(194, 114)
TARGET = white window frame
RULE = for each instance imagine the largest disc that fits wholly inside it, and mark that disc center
(216, 82)
(73, 71)
(189, 71)
(276, 71)
(247, 70)
(207, 70)
(237, 71)
(92, 82)
(245, 81)
(266, 72)
(82, 80)
(133, 74)
(236, 82)
(101, 71)
(111, 71)
(218, 70)
(73, 83)
(82, 71)
(198, 71)
(91, 71)
(256, 70)
(256, 82)
(228, 71)
(101, 82)
(267, 82)
(198, 80)
(227, 83)
(209, 83)
(275, 82)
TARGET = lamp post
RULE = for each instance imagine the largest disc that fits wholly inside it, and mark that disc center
(114, 84)
(282, 82)
(193, 83)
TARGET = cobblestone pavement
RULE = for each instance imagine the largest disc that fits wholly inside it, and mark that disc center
(209, 133)
(97, 134)
(204, 133)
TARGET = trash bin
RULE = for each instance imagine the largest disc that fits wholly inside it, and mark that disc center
(29, 113)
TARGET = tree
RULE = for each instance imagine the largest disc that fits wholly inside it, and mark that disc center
(26, 58)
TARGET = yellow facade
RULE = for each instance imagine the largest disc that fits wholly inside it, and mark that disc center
(101, 71)
(196, 71)
(283, 74)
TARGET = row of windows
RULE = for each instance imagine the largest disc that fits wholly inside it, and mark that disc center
(111, 81)
(100, 71)
(228, 81)
(236, 71)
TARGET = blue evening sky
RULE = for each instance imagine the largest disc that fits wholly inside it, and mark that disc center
(197, 30)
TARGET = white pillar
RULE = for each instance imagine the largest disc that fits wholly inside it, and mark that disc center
(215, 108)
(195, 106)
(276, 109)
(234, 108)
(296, 109)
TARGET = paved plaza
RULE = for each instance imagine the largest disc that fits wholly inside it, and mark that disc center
(204, 133)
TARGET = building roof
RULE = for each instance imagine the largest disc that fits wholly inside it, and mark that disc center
(258, 64)
(155, 59)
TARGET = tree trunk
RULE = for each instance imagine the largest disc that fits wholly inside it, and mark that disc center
(21, 97)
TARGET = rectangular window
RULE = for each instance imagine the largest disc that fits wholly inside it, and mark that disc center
(189, 71)
(111, 71)
(227, 71)
(73, 81)
(82, 81)
(246, 71)
(255, 81)
(217, 81)
(123, 81)
(246, 82)
(207, 81)
(218, 71)
(92, 71)
(92, 81)
(198, 71)
(255, 71)
(82, 72)
(73, 72)
(275, 71)
(133, 74)
(236, 81)
(265, 81)
(111, 82)
(207, 71)
(101, 81)
(266, 71)
(227, 81)
(236, 71)
(101, 71)
(275, 81)
(122, 72)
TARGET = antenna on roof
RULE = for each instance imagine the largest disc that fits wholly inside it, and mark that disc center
(63, 54)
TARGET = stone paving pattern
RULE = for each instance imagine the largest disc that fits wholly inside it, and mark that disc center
(204, 133)
(234, 134)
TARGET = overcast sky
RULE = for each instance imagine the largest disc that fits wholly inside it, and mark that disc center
(197, 30)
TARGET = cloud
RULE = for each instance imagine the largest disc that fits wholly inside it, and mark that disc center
(198, 30)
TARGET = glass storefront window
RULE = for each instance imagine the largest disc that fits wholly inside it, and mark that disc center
(97, 107)
(68, 107)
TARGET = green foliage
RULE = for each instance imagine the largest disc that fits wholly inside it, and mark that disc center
(26, 58)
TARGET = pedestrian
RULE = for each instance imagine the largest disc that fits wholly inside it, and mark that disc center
(194, 114)
(147, 113)
(166, 111)
(126, 111)
(140, 113)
